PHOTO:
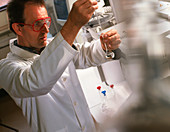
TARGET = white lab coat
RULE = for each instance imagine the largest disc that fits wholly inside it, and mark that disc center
(46, 86)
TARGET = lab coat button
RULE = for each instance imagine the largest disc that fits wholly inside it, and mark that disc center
(64, 79)
(83, 128)
(75, 103)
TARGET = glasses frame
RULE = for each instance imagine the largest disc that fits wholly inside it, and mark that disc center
(34, 23)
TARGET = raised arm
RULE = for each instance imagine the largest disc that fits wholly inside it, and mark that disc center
(80, 14)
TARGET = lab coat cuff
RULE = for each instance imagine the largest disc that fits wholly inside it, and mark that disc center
(101, 49)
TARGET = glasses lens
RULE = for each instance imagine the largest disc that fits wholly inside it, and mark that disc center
(38, 24)
(48, 22)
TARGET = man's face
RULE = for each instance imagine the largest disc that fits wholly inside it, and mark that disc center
(29, 37)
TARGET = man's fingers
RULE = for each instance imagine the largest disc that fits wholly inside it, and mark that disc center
(110, 33)
(86, 3)
(113, 37)
(90, 6)
(113, 47)
(92, 9)
(80, 2)
(89, 3)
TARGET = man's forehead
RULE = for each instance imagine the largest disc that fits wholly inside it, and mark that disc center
(33, 12)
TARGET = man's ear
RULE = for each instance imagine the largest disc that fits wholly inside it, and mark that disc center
(17, 28)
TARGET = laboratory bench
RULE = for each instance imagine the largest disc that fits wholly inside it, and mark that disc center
(115, 97)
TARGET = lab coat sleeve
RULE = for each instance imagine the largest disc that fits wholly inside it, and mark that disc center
(91, 54)
(21, 79)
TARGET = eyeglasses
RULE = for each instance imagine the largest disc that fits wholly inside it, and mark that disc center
(39, 24)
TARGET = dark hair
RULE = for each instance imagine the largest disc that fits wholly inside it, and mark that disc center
(15, 10)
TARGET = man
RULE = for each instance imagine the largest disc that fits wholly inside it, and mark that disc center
(42, 78)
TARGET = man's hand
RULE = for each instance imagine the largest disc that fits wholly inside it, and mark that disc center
(111, 39)
(80, 14)
(82, 11)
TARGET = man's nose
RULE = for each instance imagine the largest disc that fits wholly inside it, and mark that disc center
(45, 28)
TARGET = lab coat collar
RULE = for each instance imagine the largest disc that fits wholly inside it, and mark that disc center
(21, 52)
